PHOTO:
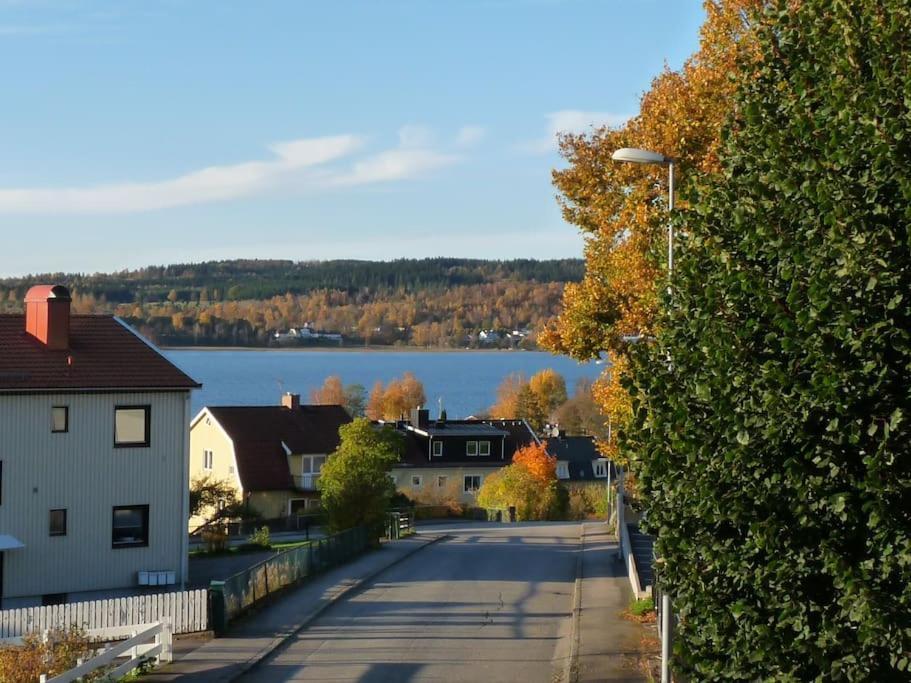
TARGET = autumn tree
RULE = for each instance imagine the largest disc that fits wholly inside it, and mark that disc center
(396, 399)
(508, 395)
(529, 484)
(622, 208)
(529, 408)
(549, 388)
(331, 393)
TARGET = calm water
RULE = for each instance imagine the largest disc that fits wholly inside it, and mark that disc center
(467, 382)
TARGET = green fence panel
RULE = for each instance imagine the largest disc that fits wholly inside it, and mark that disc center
(241, 591)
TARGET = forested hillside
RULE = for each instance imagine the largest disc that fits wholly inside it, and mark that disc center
(422, 302)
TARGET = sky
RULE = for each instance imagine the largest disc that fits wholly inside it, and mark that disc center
(149, 132)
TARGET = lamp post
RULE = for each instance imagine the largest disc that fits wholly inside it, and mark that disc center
(631, 155)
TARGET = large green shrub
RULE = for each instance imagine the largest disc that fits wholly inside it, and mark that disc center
(772, 414)
(355, 486)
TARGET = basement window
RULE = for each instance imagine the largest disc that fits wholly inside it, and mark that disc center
(57, 526)
(132, 425)
(60, 419)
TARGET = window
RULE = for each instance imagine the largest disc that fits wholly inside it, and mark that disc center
(297, 506)
(441, 481)
(130, 527)
(472, 483)
(600, 468)
(471, 448)
(131, 425)
(438, 448)
(60, 419)
(416, 481)
(483, 447)
(207, 459)
(562, 470)
(57, 526)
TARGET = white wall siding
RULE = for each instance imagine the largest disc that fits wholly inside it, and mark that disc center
(83, 472)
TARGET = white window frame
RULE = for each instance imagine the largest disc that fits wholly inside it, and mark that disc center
(437, 449)
(562, 469)
(417, 481)
(465, 488)
(208, 458)
(468, 448)
(600, 468)
(482, 446)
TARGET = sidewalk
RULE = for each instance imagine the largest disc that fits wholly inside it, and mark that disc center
(608, 645)
(256, 635)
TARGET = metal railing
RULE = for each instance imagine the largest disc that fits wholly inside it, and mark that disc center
(306, 482)
(240, 528)
(238, 593)
(399, 524)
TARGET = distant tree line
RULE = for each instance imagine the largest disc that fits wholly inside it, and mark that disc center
(428, 302)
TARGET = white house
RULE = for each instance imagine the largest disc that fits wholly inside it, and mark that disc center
(94, 453)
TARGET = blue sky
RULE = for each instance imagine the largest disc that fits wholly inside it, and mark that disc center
(161, 131)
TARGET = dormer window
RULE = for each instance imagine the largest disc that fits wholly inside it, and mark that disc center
(600, 468)
(483, 447)
(471, 448)
(562, 470)
(437, 448)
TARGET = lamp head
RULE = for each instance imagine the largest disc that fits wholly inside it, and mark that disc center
(631, 155)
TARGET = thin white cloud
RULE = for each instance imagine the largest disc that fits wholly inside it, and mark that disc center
(414, 135)
(470, 135)
(571, 121)
(297, 165)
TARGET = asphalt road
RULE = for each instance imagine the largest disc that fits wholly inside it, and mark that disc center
(490, 604)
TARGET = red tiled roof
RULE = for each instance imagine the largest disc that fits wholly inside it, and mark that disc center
(259, 431)
(103, 354)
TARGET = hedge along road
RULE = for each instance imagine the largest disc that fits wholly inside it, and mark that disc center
(492, 603)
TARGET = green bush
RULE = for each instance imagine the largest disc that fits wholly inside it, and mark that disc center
(771, 416)
(587, 500)
(259, 538)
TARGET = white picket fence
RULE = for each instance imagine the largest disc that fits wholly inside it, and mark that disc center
(186, 611)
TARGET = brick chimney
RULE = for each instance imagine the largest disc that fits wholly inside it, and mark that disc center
(47, 315)
(292, 401)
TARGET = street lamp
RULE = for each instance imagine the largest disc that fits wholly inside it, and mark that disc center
(631, 155)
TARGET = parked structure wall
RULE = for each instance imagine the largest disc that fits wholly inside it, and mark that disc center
(430, 487)
(207, 435)
(81, 471)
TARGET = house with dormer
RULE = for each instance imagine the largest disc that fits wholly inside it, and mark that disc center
(454, 455)
(94, 450)
(271, 455)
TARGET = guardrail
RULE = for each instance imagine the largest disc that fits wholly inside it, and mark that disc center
(143, 643)
(238, 593)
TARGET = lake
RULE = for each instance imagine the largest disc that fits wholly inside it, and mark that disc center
(465, 381)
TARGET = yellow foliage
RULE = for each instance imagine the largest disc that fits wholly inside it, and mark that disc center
(622, 208)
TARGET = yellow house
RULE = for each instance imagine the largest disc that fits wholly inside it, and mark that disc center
(271, 455)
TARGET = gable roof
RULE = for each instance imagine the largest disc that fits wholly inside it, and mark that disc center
(260, 434)
(103, 353)
(579, 452)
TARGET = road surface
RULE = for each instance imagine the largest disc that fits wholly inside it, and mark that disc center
(489, 604)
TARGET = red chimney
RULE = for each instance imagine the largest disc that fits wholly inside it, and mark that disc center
(47, 315)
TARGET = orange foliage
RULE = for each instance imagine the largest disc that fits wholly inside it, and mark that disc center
(332, 393)
(535, 459)
(622, 208)
(397, 399)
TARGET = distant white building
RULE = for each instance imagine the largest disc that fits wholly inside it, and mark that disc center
(95, 459)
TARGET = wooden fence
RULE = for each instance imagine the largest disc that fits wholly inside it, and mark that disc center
(187, 612)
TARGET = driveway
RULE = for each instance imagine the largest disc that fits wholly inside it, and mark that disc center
(493, 603)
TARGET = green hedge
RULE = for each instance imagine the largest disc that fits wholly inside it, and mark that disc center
(772, 413)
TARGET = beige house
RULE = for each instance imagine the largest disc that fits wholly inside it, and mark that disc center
(450, 459)
(93, 469)
(271, 455)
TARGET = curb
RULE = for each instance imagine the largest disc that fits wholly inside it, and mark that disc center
(245, 667)
(571, 671)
